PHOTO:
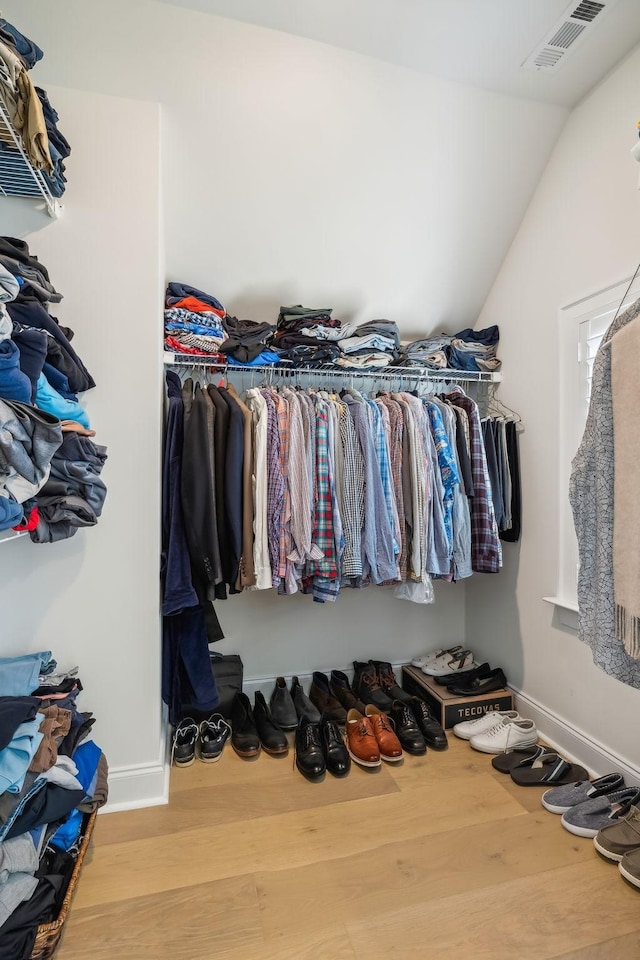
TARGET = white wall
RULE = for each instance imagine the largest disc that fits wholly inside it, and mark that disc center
(297, 171)
(580, 235)
(93, 600)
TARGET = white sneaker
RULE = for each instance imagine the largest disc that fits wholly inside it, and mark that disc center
(433, 655)
(506, 736)
(447, 663)
(493, 718)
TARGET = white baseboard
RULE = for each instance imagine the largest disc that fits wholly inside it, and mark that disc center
(572, 742)
(142, 784)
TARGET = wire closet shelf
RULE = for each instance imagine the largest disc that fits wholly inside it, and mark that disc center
(18, 176)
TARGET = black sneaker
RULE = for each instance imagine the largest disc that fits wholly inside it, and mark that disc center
(213, 735)
(366, 686)
(185, 737)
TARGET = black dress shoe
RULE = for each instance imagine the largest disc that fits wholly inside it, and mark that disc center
(320, 694)
(434, 735)
(336, 755)
(367, 687)
(388, 682)
(271, 735)
(309, 754)
(244, 736)
(302, 704)
(282, 707)
(341, 689)
(463, 678)
(496, 680)
(407, 730)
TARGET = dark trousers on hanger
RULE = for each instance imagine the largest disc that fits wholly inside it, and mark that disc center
(187, 678)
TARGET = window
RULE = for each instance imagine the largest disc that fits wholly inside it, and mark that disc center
(582, 327)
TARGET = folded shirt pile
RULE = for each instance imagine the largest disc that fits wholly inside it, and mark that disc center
(469, 349)
(51, 777)
(374, 344)
(193, 321)
(307, 335)
(29, 109)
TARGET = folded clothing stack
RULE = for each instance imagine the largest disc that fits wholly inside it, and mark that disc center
(29, 109)
(51, 777)
(467, 350)
(44, 430)
(193, 322)
(371, 345)
(307, 335)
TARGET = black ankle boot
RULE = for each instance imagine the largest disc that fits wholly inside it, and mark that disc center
(244, 736)
(271, 735)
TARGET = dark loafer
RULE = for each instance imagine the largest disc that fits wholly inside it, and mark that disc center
(496, 680)
(407, 730)
(271, 735)
(336, 755)
(432, 732)
(309, 754)
(244, 736)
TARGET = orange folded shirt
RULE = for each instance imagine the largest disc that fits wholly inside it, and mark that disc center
(198, 306)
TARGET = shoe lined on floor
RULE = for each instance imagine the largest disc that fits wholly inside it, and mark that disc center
(320, 694)
(343, 692)
(244, 735)
(453, 678)
(388, 682)
(366, 686)
(431, 729)
(388, 743)
(407, 730)
(272, 738)
(561, 799)
(459, 662)
(629, 867)
(426, 658)
(546, 767)
(212, 736)
(492, 718)
(620, 838)
(336, 755)
(495, 680)
(282, 706)
(526, 756)
(185, 738)
(589, 817)
(309, 754)
(506, 736)
(361, 740)
(302, 704)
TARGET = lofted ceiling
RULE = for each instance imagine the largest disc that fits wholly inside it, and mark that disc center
(479, 42)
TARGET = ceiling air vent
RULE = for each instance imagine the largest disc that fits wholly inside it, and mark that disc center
(576, 22)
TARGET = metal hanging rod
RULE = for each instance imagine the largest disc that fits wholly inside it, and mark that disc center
(18, 176)
(284, 369)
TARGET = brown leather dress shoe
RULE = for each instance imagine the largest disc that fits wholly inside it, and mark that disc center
(361, 741)
(388, 743)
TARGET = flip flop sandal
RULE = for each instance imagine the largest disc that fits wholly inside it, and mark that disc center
(505, 762)
(548, 768)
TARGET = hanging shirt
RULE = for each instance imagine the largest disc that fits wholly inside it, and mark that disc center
(261, 562)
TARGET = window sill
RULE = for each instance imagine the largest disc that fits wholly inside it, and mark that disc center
(566, 610)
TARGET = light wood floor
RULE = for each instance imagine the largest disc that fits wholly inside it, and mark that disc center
(437, 857)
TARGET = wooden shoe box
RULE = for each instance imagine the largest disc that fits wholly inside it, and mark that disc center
(448, 707)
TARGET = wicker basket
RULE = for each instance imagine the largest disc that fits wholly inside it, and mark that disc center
(49, 934)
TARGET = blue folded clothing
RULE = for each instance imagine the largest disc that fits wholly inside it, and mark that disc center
(14, 384)
(50, 400)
